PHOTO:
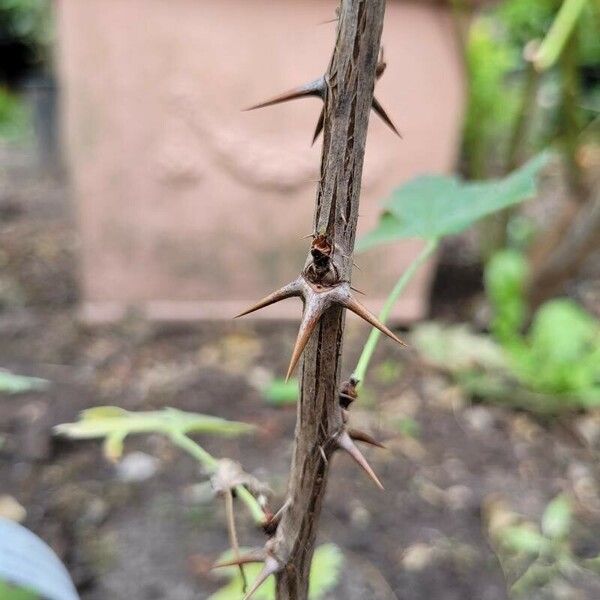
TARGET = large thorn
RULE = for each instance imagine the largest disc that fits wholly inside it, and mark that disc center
(257, 556)
(313, 88)
(271, 567)
(363, 436)
(310, 317)
(288, 291)
(358, 309)
(384, 117)
(345, 443)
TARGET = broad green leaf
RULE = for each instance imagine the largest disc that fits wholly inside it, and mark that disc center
(522, 538)
(556, 520)
(324, 575)
(18, 384)
(433, 206)
(280, 392)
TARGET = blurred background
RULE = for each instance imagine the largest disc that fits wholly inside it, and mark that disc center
(140, 208)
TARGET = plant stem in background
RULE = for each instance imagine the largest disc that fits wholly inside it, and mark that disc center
(373, 339)
(558, 35)
(210, 463)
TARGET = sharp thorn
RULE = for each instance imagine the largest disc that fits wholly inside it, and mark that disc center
(357, 291)
(252, 557)
(271, 567)
(319, 126)
(329, 21)
(355, 265)
(358, 309)
(384, 117)
(345, 443)
(362, 436)
(287, 291)
(310, 317)
(313, 88)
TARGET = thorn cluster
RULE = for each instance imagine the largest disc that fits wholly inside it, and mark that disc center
(318, 88)
(317, 300)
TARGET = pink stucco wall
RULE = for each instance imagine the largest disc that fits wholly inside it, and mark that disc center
(189, 207)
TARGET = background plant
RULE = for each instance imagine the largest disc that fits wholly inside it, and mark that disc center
(533, 555)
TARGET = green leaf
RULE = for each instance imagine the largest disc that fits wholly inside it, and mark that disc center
(18, 384)
(280, 392)
(433, 206)
(325, 572)
(556, 520)
(106, 421)
(521, 538)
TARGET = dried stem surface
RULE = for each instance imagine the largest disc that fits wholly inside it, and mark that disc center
(350, 82)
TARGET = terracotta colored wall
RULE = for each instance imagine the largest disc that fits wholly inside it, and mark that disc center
(189, 207)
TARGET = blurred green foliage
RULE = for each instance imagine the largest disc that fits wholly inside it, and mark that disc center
(9, 592)
(560, 354)
(15, 121)
(325, 572)
(497, 71)
(536, 555)
(10, 383)
(28, 21)
(280, 392)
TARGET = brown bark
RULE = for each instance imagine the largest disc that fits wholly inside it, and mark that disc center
(350, 81)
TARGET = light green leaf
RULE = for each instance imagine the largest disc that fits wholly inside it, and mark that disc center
(324, 575)
(18, 384)
(556, 520)
(522, 538)
(433, 206)
(105, 421)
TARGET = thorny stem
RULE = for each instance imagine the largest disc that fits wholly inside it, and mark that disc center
(350, 82)
(210, 463)
(369, 348)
